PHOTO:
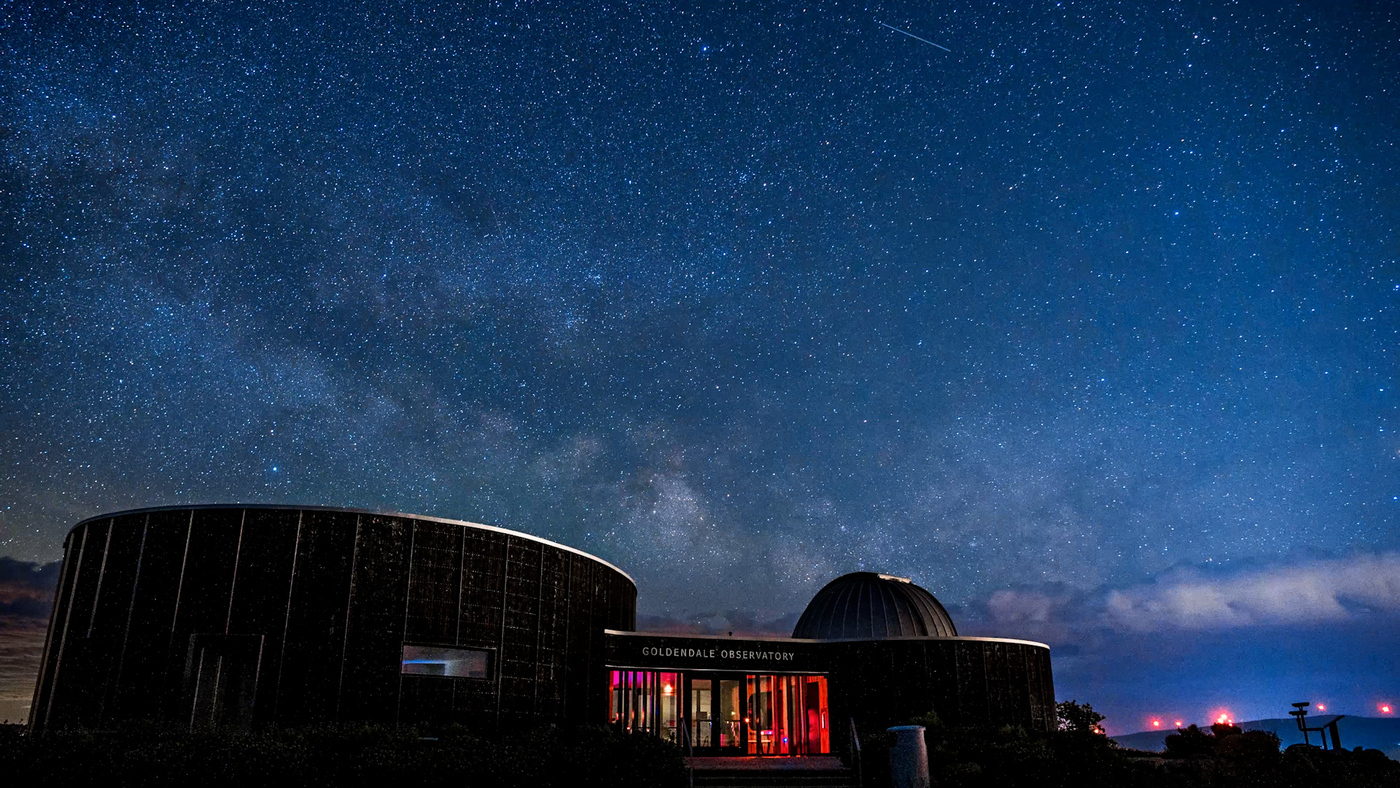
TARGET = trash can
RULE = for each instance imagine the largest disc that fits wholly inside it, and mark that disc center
(909, 757)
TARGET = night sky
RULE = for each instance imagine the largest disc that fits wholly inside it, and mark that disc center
(1090, 325)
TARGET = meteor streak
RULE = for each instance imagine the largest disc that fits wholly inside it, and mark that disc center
(911, 35)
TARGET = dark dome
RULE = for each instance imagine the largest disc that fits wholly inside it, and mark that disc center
(868, 605)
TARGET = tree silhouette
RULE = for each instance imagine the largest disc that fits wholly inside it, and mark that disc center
(1079, 718)
(1190, 741)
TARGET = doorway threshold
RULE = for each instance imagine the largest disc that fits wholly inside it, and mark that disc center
(819, 763)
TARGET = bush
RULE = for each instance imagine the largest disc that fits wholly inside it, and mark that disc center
(1190, 741)
(343, 756)
(1255, 748)
(1011, 757)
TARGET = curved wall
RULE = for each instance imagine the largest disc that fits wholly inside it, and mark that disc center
(965, 680)
(250, 615)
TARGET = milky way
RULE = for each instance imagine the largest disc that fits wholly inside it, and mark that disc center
(738, 297)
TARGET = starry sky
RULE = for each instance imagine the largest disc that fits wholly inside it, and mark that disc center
(1090, 324)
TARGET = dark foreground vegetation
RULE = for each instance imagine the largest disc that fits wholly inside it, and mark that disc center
(340, 757)
(1080, 756)
(1077, 755)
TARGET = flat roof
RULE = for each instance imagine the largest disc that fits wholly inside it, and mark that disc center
(348, 510)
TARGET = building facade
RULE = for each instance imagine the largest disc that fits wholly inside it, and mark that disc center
(241, 616)
(871, 649)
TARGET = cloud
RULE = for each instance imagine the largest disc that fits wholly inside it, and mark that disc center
(1195, 638)
(1313, 593)
(1310, 593)
(21, 648)
(26, 588)
(26, 596)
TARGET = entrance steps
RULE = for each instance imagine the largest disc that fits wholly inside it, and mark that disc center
(804, 772)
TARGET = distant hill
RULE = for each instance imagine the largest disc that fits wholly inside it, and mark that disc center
(1378, 733)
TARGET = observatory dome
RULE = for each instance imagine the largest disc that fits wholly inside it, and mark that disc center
(867, 605)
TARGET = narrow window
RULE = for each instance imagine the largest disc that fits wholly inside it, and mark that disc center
(457, 663)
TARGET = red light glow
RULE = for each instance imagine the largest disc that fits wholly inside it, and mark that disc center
(1156, 723)
(1224, 718)
(1178, 723)
(1321, 707)
(1385, 708)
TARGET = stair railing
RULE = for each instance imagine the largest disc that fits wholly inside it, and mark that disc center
(685, 737)
(689, 750)
(855, 752)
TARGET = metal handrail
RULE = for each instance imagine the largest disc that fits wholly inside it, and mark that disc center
(855, 752)
(689, 750)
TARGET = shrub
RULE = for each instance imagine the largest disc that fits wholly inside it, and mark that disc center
(343, 756)
(1251, 747)
(1190, 741)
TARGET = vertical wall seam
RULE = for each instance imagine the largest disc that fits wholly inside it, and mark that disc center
(461, 585)
(345, 626)
(48, 643)
(1026, 671)
(199, 674)
(539, 628)
(67, 588)
(403, 633)
(175, 615)
(986, 682)
(501, 646)
(233, 582)
(593, 656)
(287, 617)
(463, 579)
(568, 677)
(101, 573)
(67, 621)
(130, 611)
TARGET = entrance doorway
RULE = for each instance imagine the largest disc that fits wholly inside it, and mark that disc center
(716, 712)
(725, 713)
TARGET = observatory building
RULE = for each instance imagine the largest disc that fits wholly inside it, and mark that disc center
(244, 616)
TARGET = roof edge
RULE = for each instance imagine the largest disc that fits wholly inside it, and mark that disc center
(766, 638)
(352, 510)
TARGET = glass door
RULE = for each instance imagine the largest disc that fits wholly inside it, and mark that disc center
(730, 715)
(760, 715)
(702, 722)
(714, 712)
(735, 714)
